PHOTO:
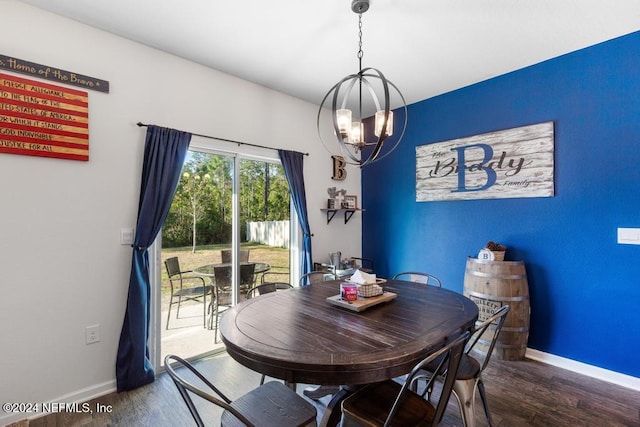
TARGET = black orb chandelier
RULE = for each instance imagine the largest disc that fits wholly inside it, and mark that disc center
(351, 100)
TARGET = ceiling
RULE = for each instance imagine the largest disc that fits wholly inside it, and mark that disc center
(303, 47)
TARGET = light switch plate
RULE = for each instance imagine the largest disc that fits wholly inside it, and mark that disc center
(126, 236)
(629, 236)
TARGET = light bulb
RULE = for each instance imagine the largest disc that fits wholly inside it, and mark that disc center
(356, 136)
(379, 121)
(343, 119)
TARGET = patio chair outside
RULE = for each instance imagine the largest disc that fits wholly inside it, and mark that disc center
(182, 291)
(226, 255)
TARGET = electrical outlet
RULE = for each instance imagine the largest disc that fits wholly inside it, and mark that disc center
(629, 236)
(92, 334)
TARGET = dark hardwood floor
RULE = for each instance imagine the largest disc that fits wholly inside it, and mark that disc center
(522, 393)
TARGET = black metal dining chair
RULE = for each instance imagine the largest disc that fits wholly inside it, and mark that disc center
(418, 277)
(315, 277)
(469, 376)
(275, 274)
(181, 290)
(267, 287)
(390, 403)
(270, 405)
(364, 264)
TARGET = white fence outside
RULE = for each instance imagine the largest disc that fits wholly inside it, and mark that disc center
(272, 233)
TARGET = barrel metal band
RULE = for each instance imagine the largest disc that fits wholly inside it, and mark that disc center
(498, 276)
(496, 298)
(505, 328)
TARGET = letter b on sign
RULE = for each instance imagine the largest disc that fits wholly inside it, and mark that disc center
(339, 171)
(462, 167)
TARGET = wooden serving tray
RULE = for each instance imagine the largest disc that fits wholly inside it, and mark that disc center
(361, 303)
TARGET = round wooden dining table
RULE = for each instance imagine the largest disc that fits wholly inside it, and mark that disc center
(298, 336)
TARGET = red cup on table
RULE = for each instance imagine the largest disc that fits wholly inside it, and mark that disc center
(348, 291)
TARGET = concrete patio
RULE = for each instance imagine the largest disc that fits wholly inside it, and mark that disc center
(186, 336)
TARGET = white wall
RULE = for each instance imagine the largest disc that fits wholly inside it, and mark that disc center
(63, 267)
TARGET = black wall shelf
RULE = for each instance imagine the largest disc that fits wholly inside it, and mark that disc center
(348, 213)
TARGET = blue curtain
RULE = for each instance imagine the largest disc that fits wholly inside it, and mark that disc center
(292, 162)
(164, 154)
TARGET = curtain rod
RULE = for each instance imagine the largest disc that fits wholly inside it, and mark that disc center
(222, 139)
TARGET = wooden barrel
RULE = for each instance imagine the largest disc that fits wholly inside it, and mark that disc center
(492, 284)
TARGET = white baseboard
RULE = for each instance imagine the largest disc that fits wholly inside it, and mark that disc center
(582, 368)
(82, 395)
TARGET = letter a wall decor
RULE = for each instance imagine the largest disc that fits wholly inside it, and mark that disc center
(510, 163)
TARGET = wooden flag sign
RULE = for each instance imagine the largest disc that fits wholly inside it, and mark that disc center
(41, 119)
(510, 163)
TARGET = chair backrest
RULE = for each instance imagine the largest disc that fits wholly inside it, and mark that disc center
(450, 357)
(364, 264)
(266, 288)
(185, 387)
(247, 275)
(487, 333)
(222, 275)
(173, 266)
(275, 276)
(227, 254)
(417, 277)
(312, 277)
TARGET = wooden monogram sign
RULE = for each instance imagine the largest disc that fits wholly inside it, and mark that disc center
(339, 168)
(510, 163)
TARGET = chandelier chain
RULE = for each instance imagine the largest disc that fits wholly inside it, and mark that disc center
(360, 53)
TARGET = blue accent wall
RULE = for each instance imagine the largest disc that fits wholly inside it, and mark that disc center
(584, 287)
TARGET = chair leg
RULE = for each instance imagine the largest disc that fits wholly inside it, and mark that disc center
(485, 404)
(169, 313)
(210, 314)
(464, 391)
(178, 310)
(204, 308)
(217, 323)
(214, 320)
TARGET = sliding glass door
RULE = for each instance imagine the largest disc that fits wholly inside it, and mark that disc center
(264, 215)
(229, 228)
